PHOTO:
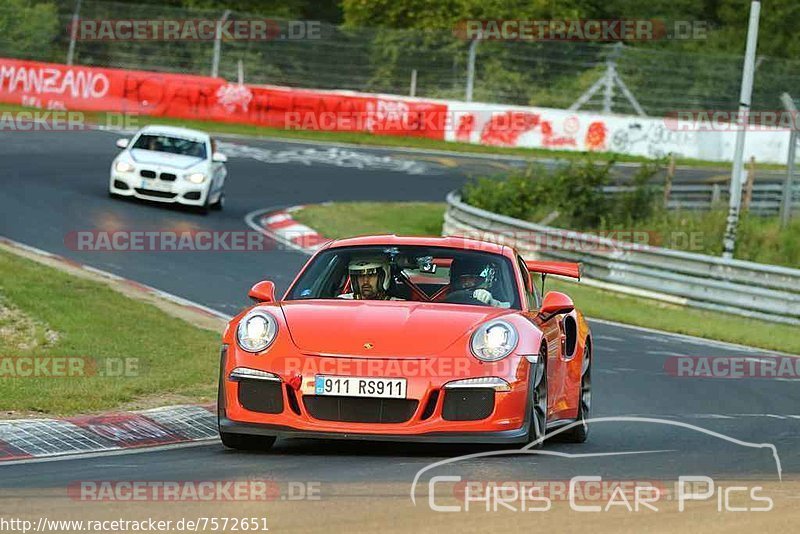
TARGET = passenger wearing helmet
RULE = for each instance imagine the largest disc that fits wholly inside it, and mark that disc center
(369, 280)
(470, 279)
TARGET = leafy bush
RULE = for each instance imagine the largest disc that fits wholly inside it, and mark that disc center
(575, 191)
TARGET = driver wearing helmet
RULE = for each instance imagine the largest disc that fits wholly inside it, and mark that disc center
(369, 280)
(467, 275)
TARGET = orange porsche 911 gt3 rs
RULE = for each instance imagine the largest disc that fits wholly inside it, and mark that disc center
(408, 339)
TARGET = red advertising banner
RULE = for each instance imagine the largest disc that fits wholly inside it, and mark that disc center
(55, 86)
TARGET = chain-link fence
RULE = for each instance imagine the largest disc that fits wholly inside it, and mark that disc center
(550, 74)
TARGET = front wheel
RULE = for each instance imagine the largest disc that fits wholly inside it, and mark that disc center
(246, 442)
(220, 203)
(579, 432)
(538, 399)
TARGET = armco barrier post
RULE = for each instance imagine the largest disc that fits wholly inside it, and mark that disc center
(786, 193)
(668, 179)
(748, 186)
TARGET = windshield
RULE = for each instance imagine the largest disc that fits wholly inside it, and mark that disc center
(171, 145)
(424, 274)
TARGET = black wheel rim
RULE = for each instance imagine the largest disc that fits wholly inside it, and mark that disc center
(586, 384)
(540, 397)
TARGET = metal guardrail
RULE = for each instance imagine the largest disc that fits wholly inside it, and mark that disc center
(766, 199)
(739, 287)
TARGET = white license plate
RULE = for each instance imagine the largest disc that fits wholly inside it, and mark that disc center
(354, 386)
(155, 185)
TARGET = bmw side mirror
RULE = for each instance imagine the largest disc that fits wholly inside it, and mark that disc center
(219, 157)
(263, 292)
(122, 143)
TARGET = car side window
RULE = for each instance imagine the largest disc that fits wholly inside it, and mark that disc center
(530, 290)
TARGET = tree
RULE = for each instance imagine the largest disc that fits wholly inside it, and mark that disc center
(27, 28)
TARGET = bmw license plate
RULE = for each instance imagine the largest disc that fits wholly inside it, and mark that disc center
(155, 185)
(354, 386)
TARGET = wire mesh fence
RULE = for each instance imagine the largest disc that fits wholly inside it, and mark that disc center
(546, 73)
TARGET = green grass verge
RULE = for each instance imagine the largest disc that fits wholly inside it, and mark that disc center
(366, 139)
(346, 219)
(93, 321)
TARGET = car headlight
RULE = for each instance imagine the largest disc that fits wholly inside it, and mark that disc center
(493, 341)
(124, 166)
(257, 330)
(196, 177)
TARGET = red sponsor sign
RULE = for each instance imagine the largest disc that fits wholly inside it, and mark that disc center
(184, 96)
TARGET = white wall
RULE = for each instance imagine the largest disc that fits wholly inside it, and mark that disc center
(590, 131)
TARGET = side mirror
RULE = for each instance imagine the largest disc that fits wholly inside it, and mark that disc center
(219, 157)
(555, 303)
(263, 291)
(122, 143)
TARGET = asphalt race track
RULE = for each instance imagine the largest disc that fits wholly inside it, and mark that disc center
(55, 183)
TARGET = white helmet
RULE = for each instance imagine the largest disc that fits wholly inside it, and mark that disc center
(371, 266)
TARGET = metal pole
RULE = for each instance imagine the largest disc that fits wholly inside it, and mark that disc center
(729, 240)
(786, 195)
(473, 51)
(73, 34)
(218, 44)
(413, 89)
(608, 89)
(240, 71)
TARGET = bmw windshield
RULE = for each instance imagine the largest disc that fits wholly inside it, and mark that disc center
(171, 145)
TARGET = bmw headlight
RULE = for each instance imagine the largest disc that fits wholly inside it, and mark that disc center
(257, 330)
(124, 166)
(493, 341)
(196, 177)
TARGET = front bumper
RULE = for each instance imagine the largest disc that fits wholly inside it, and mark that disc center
(429, 414)
(178, 191)
(514, 436)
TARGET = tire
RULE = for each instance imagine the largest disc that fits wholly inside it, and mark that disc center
(579, 432)
(537, 377)
(246, 442)
(203, 210)
(220, 203)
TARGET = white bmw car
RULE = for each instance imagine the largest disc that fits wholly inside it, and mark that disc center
(167, 164)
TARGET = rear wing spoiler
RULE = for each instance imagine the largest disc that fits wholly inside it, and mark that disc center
(560, 268)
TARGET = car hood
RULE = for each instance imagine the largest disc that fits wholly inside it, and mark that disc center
(151, 157)
(393, 329)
